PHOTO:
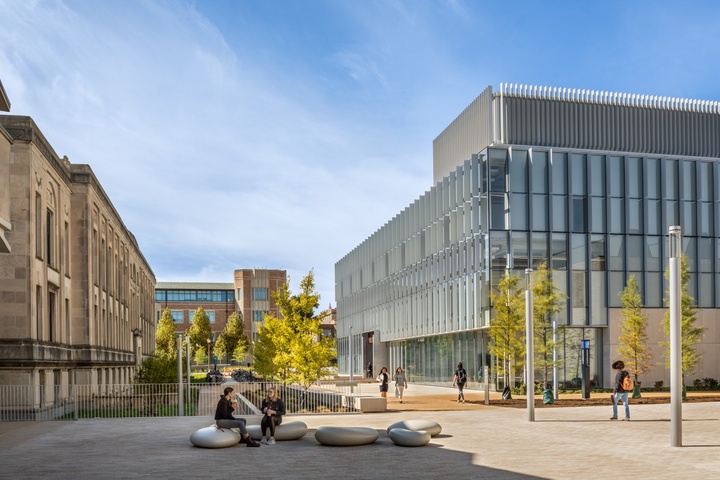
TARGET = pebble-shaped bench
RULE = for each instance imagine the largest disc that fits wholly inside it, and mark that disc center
(429, 426)
(284, 431)
(409, 438)
(346, 436)
(214, 437)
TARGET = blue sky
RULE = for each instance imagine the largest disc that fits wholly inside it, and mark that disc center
(281, 134)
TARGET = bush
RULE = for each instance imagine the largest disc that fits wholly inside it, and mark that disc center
(157, 370)
(659, 385)
(705, 383)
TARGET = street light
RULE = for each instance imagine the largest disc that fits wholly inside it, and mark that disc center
(208, 342)
(529, 336)
(675, 337)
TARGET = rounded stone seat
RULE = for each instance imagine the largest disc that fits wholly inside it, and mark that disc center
(284, 431)
(409, 438)
(429, 426)
(345, 436)
(214, 437)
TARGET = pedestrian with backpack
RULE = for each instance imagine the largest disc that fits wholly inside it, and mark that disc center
(459, 380)
(623, 386)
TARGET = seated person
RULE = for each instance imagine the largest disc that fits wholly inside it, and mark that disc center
(224, 417)
(274, 408)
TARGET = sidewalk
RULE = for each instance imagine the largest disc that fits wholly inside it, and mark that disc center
(477, 441)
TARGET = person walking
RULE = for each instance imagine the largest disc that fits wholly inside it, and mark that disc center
(400, 383)
(224, 417)
(383, 378)
(369, 370)
(619, 393)
(459, 380)
(273, 409)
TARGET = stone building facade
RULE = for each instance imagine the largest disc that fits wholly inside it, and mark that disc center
(76, 293)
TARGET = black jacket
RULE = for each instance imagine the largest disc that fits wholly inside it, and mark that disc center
(224, 409)
(618, 388)
(278, 406)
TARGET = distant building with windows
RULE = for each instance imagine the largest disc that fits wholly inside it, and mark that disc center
(76, 293)
(588, 182)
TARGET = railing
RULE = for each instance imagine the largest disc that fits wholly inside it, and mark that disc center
(61, 402)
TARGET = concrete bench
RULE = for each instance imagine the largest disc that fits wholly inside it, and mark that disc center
(429, 426)
(346, 436)
(214, 437)
(371, 404)
(284, 431)
(409, 438)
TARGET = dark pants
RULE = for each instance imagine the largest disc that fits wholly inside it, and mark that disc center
(237, 423)
(270, 422)
(461, 395)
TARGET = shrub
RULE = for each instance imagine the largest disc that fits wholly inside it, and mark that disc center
(157, 370)
(659, 385)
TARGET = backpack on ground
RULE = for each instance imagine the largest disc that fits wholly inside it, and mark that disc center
(627, 384)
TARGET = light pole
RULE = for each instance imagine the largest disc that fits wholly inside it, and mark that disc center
(179, 375)
(208, 342)
(529, 336)
(675, 252)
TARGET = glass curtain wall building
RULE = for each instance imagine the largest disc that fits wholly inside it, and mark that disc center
(588, 182)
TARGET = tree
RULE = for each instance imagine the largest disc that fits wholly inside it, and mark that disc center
(220, 347)
(233, 335)
(157, 370)
(165, 346)
(691, 334)
(633, 339)
(507, 325)
(293, 345)
(547, 302)
(200, 331)
(201, 356)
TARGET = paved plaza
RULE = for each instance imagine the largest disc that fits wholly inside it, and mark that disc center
(477, 441)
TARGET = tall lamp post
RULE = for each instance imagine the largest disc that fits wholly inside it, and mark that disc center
(529, 336)
(208, 342)
(675, 338)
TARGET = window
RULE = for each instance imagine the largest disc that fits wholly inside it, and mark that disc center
(258, 315)
(617, 215)
(671, 179)
(578, 252)
(539, 172)
(497, 211)
(38, 227)
(38, 311)
(51, 315)
(597, 175)
(518, 171)
(579, 214)
(498, 170)
(559, 173)
(177, 316)
(616, 252)
(559, 251)
(518, 211)
(616, 177)
(634, 177)
(49, 239)
(652, 178)
(540, 212)
(597, 252)
(688, 180)
(653, 260)
(559, 213)
(259, 293)
(66, 249)
(634, 252)
(635, 216)
(597, 215)
(578, 165)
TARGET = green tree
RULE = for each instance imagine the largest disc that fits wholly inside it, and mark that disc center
(633, 345)
(691, 334)
(506, 327)
(165, 337)
(548, 300)
(157, 370)
(236, 343)
(201, 357)
(200, 331)
(271, 353)
(220, 348)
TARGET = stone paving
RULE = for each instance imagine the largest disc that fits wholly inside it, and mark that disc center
(477, 441)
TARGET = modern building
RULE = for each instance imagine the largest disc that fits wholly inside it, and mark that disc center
(248, 295)
(76, 293)
(587, 181)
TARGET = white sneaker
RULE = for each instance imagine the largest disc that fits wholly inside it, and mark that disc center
(271, 441)
(263, 441)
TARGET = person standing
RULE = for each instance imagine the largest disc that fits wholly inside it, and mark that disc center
(383, 378)
(459, 380)
(273, 409)
(400, 383)
(619, 392)
(369, 370)
(224, 417)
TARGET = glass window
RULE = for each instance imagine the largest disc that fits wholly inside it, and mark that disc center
(688, 218)
(539, 212)
(652, 178)
(559, 173)
(671, 179)
(707, 287)
(259, 293)
(688, 180)
(597, 175)
(160, 295)
(634, 252)
(519, 250)
(705, 181)
(177, 316)
(671, 215)
(690, 252)
(653, 217)
(616, 177)
(539, 172)
(616, 252)
(597, 214)
(211, 315)
(635, 216)
(578, 165)
(539, 249)
(498, 249)
(497, 211)
(579, 215)
(597, 252)
(653, 292)
(705, 227)
(705, 254)
(598, 314)
(653, 258)
(634, 177)
(559, 251)
(616, 285)
(560, 281)
(578, 298)
(498, 167)
(559, 213)
(258, 315)
(518, 171)
(617, 215)
(518, 211)
(578, 252)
